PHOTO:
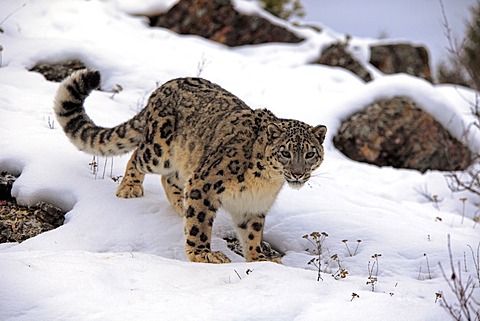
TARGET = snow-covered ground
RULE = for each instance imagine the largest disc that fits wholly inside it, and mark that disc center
(117, 259)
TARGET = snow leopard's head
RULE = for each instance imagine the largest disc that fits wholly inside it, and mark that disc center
(295, 149)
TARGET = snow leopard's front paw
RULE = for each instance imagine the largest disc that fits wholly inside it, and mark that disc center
(209, 257)
(277, 260)
(130, 190)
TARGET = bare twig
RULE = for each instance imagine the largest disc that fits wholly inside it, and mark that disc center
(431, 198)
(373, 276)
(460, 184)
(428, 267)
(455, 48)
(317, 240)
(12, 13)
(202, 64)
(476, 261)
(237, 274)
(466, 307)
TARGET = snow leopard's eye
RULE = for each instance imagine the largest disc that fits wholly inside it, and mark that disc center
(309, 155)
(286, 154)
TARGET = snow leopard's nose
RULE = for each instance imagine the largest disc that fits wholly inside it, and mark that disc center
(297, 176)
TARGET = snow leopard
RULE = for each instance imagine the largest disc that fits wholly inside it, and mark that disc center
(211, 150)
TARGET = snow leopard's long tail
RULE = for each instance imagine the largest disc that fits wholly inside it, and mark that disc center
(81, 130)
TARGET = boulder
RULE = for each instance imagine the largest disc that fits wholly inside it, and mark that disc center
(401, 58)
(397, 133)
(337, 55)
(58, 71)
(6, 184)
(219, 21)
(18, 223)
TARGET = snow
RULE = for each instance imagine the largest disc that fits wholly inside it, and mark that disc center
(117, 259)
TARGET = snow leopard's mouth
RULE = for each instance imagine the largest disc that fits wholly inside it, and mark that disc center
(295, 180)
(296, 184)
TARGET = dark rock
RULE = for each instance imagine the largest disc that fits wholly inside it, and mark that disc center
(18, 223)
(218, 21)
(49, 214)
(401, 58)
(397, 133)
(6, 184)
(337, 55)
(58, 71)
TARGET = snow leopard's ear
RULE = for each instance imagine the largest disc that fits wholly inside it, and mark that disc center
(274, 132)
(320, 131)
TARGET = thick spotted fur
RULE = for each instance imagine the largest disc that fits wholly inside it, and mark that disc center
(211, 149)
